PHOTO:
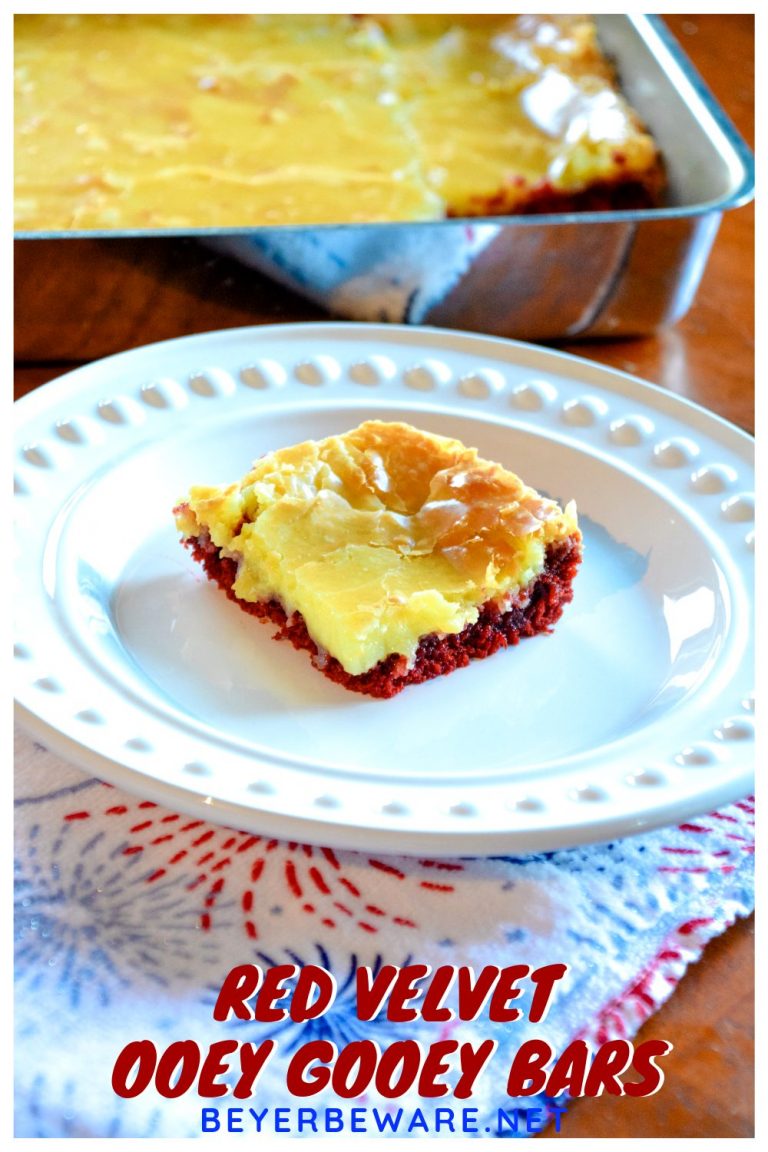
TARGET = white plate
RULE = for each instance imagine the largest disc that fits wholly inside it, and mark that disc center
(636, 712)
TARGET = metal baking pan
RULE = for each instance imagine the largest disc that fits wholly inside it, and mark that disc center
(586, 274)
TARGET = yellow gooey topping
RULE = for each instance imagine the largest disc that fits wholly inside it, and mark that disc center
(504, 105)
(379, 536)
(191, 121)
(147, 121)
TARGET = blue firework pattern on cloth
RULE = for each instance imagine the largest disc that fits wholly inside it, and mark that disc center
(85, 921)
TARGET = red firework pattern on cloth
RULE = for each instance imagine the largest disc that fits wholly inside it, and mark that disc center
(313, 877)
(692, 858)
(624, 1015)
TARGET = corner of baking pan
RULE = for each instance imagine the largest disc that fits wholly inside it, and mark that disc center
(668, 49)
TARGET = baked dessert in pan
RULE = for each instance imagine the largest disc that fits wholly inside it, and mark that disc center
(390, 554)
(164, 122)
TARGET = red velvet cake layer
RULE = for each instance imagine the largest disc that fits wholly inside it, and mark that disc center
(619, 195)
(436, 654)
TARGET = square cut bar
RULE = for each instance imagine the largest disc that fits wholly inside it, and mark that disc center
(390, 554)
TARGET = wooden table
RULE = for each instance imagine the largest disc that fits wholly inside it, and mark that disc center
(79, 300)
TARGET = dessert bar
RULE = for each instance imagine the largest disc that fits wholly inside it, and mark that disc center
(390, 554)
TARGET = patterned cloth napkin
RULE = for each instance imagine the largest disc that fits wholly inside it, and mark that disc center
(129, 916)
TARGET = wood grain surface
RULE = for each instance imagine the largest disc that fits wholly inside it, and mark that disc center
(78, 300)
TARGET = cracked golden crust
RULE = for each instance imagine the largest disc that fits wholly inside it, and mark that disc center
(378, 536)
